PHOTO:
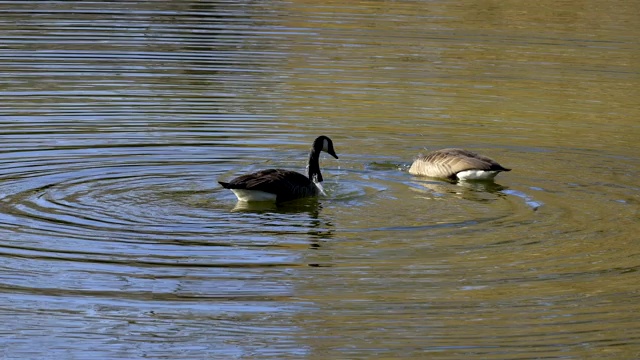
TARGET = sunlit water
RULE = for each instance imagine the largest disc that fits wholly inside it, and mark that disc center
(118, 118)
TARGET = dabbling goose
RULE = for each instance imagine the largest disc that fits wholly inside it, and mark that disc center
(456, 164)
(283, 185)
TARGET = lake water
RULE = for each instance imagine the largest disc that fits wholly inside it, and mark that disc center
(117, 119)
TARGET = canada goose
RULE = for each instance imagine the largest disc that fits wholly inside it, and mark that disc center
(455, 164)
(283, 185)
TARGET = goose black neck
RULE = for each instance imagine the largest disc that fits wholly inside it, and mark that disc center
(314, 166)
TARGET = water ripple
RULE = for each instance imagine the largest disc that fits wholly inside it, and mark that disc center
(118, 118)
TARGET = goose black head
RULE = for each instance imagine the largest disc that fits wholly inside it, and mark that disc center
(323, 143)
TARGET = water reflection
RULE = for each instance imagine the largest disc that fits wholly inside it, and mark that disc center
(118, 117)
(469, 190)
(310, 206)
(304, 213)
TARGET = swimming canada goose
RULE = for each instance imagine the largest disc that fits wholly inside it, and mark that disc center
(456, 164)
(283, 185)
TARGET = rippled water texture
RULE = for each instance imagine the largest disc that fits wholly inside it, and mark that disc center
(118, 118)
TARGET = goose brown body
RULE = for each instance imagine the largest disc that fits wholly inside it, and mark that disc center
(455, 164)
(282, 185)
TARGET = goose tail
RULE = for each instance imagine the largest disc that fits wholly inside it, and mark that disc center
(225, 185)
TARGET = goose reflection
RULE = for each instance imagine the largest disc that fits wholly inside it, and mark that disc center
(310, 206)
(468, 190)
(318, 230)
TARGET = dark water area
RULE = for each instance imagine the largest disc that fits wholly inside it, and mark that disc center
(117, 119)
